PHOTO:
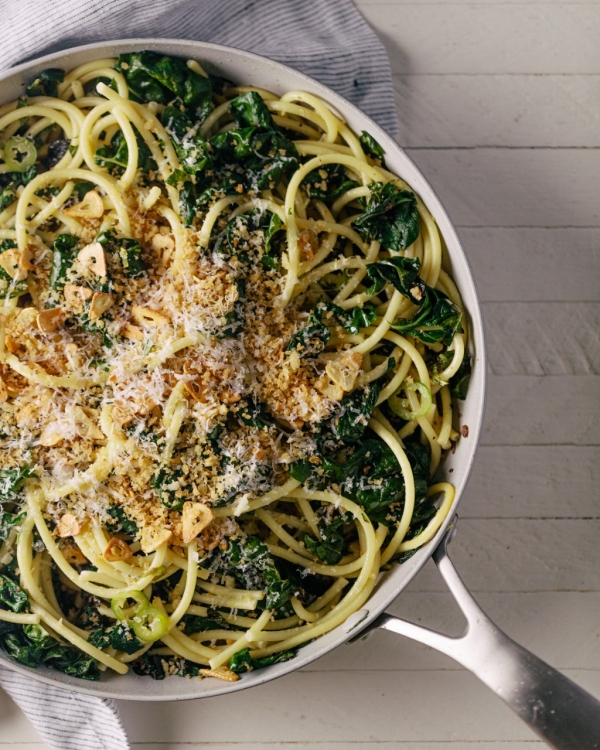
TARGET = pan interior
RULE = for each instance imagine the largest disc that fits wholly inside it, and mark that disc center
(251, 69)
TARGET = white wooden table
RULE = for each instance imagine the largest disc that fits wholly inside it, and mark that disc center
(500, 106)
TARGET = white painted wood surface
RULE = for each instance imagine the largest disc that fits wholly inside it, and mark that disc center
(500, 106)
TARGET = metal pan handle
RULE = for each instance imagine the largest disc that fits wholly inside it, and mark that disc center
(558, 710)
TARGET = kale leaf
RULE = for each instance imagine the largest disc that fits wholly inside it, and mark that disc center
(437, 319)
(391, 217)
(115, 155)
(12, 595)
(10, 181)
(243, 662)
(166, 482)
(122, 522)
(196, 624)
(252, 412)
(8, 521)
(234, 320)
(247, 559)
(119, 636)
(8, 285)
(46, 83)
(128, 250)
(191, 148)
(311, 339)
(158, 667)
(31, 645)
(351, 320)
(350, 418)
(11, 482)
(371, 476)
(401, 273)
(459, 383)
(330, 546)
(372, 148)
(64, 253)
(328, 182)
(261, 158)
(162, 79)
(249, 110)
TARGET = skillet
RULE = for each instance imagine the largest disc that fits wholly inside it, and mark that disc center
(563, 714)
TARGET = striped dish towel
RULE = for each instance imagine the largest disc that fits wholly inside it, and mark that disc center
(326, 39)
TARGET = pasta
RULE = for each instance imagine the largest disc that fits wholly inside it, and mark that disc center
(230, 351)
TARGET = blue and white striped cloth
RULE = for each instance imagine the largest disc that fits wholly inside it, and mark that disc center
(326, 39)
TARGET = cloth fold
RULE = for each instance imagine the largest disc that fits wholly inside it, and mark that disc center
(326, 39)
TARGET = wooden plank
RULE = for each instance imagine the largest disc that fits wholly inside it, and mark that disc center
(515, 187)
(543, 338)
(533, 482)
(539, 265)
(385, 745)
(498, 110)
(567, 640)
(521, 555)
(487, 37)
(529, 410)
(15, 727)
(398, 707)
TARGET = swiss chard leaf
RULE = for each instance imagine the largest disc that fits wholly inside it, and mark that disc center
(391, 217)
(46, 83)
(161, 78)
(243, 662)
(249, 110)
